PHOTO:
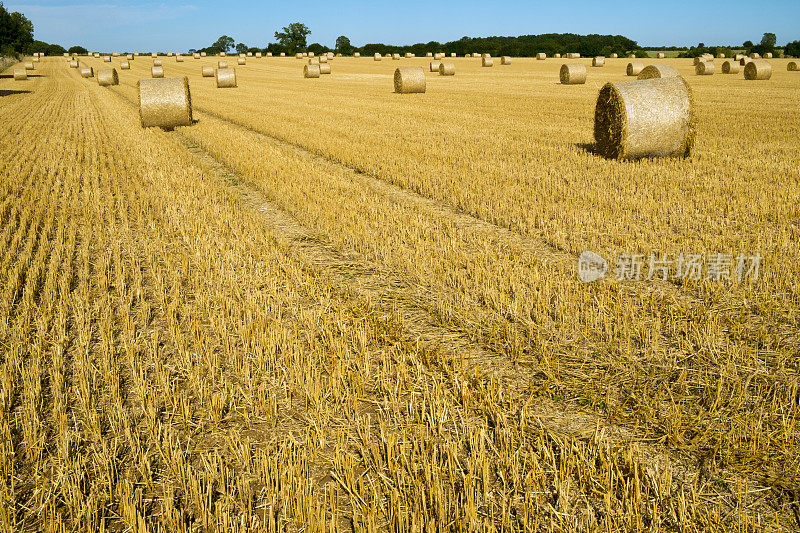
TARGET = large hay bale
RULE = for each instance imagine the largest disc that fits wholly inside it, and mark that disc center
(634, 68)
(169, 54)
(409, 55)
(704, 68)
(310, 54)
(658, 71)
(241, 61)
(720, 56)
(660, 55)
(323, 59)
(223, 54)
(313, 61)
(129, 57)
(249, 54)
(157, 63)
(453, 54)
(396, 57)
(487, 62)
(136, 54)
(598, 61)
(730, 67)
(125, 65)
(357, 54)
(35, 59)
(792, 66)
(203, 54)
(226, 78)
(556, 56)
(744, 61)
(409, 80)
(755, 55)
(283, 54)
(505, 60)
(447, 68)
(768, 55)
(572, 74)
(324, 68)
(107, 76)
(758, 69)
(259, 55)
(195, 55)
(434, 66)
(298, 55)
(87, 72)
(645, 118)
(631, 56)
(739, 57)
(165, 103)
(311, 71)
(73, 64)
(29, 66)
(207, 71)
(20, 74)
(107, 59)
(222, 64)
(157, 72)
(376, 57)
(541, 56)
(153, 55)
(614, 56)
(178, 58)
(429, 54)
(438, 56)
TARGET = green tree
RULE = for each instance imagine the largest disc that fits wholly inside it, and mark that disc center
(16, 31)
(77, 50)
(293, 36)
(768, 41)
(343, 45)
(224, 44)
(241, 48)
(792, 49)
(748, 44)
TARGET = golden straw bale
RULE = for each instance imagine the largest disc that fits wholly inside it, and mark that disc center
(487, 62)
(324, 68)
(598, 61)
(658, 71)
(125, 65)
(409, 80)
(704, 68)
(572, 74)
(434, 66)
(157, 72)
(311, 71)
(731, 67)
(447, 68)
(226, 78)
(87, 72)
(165, 103)
(20, 74)
(758, 69)
(505, 60)
(634, 68)
(792, 66)
(107, 76)
(207, 71)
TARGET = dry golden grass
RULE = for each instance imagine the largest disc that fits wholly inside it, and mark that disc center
(369, 318)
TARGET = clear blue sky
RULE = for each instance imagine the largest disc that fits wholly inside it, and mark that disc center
(179, 25)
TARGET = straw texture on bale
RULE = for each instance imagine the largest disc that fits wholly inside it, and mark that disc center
(35, 59)
(311, 71)
(505, 60)
(73, 64)
(283, 54)
(107, 76)
(136, 54)
(614, 56)
(223, 54)
(377, 57)
(157, 63)
(129, 57)
(259, 55)
(178, 58)
(658, 71)
(598, 61)
(357, 54)
(487, 61)
(249, 54)
(396, 56)
(323, 59)
(446, 68)
(572, 74)
(429, 54)
(313, 61)
(452, 54)
(298, 55)
(195, 56)
(434, 66)
(153, 55)
(557, 56)
(87, 72)
(165, 103)
(755, 55)
(645, 118)
(792, 66)
(758, 69)
(226, 78)
(768, 55)
(438, 57)
(157, 72)
(409, 80)
(203, 54)
(125, 65)
(242, 61)
(720, 56)
(20, 74)
(660, 55)
(207, 71)
(739, 57)
(704, 68)
(409, 55)
(107, 59)
(632, 56)
(324, 68)
(169, 54)
(29, 66)
(745, 60)
(222, 64)
(634, 68)
(541, 56)
(730, 67)
(310, 54)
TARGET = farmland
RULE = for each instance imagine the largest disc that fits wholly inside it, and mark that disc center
(332, 307)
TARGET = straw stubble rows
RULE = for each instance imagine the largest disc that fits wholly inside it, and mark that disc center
(293, 321)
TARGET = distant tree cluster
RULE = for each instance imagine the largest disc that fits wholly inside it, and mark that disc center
(16, 32)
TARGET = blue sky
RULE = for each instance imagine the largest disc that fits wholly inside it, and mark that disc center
(127, 25)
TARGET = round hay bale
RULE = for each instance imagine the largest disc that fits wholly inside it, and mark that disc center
(29, 66)
(768, 55)
(241, 61)
(409, 80)
(283, 54)
(87, 72)
(195, 56)
(438, 56)
(107, 76)
(730, 67)
(20, 74)
(107, 59)
(35, 59)
(645, 118)
(434, 66)
(203, 54)
(313, 61)
(660, 55)
(658, 71)
(298, 55)
(178, 58)
(634, 68)
(125, 65)
(222, 64)
(136, 54)
(744, 61)
(556, 56)
(324, 68)
(720, 56)
(487, 62)
(486, 55)
(792, 66)
(226, 78)
(541, 56)
(572, 74)
(259, 55)
(223, 54)
(704, 68)
(505, 60)
(310, 54)
(165, 103)
(396, 57)
(739, 57)
(357, 54)
(377, 57)
(153, 55)
(73, 64)
(157, 72)
(169, 54)
(129, 57)
(598, 61)
(429, 54)
(409, 55)
(157, 63)
(447, 68)
(453, 54)
(631, 56)
(614, 56)
(323, 59)
(758, 69)
(755, 55)
(249, 54)
(311, 71)
(242, 55)
(115, 54)
(207, 71)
